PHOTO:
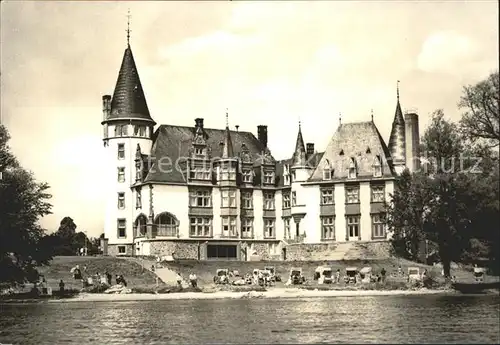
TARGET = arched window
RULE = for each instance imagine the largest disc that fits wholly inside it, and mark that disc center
(352, 169)
(327, 170)
(140, 225)
(166, 225)
(377, 166)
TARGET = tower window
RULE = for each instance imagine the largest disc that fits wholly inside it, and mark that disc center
(121, 201)
(138, 199)
(247, 175)
(294, 198)
(268, 177)
(121, 151)
(122, 228)
(121, 174)
(140, 131)
(121, 130)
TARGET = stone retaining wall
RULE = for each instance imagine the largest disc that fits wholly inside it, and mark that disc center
(309, 252)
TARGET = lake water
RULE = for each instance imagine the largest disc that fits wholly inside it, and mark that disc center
(394, 319)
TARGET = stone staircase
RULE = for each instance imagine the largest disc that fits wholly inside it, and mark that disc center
(165, 275)
(340, 251)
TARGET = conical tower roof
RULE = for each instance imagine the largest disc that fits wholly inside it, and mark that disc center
(227, 150)
(397, 138)
(299, 156)
(128, 99)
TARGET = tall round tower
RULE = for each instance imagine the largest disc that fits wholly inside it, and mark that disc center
(128, 129)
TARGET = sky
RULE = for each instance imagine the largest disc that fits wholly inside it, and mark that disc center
(271, 63)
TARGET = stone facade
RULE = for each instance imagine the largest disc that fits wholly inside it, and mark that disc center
(178, 249)
(311, 252)
(113, 249)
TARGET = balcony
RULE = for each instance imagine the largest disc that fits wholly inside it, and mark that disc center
(298, 209)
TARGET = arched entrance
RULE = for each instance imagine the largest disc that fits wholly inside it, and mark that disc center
(140, 225)
(166, 224)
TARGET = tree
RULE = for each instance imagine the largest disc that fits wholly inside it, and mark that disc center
(67, 228)
(481, 117)
(23, 201)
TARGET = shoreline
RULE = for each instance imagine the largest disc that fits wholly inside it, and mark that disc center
(279, 293)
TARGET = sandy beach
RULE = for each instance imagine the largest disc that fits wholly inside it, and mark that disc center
(274, 293)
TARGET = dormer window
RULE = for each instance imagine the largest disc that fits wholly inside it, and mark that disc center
(327, 171)
(352, 173)
(368, 151)
(268, 177)
(198, 151)
(247, 175)
(200, 172)
(377, 167)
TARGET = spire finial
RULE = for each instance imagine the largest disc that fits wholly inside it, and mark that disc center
(340, 118)
(372, 115)
(397, 89)
(128, 26)
(227, 117)
(300, 124)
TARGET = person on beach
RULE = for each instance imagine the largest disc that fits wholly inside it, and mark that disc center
(108, 277)
(179, 280)
(77, 273)
(337, 276)
(193, 280)
(61, 286)
(382, 274)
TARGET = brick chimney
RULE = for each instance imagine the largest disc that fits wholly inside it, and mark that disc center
(262, 134)
(199, 123)
(106, 106)
(309, 149)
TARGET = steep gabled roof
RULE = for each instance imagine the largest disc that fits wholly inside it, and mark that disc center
(128, 99)
(175, 142)
(312, 162)
(299, 158)
(361, 141)
(227, 149)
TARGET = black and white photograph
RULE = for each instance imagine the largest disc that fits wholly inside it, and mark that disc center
(249, 172)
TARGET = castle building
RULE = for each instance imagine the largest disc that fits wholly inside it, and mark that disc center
(202, 193)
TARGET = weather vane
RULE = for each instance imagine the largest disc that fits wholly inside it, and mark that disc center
(128, 26)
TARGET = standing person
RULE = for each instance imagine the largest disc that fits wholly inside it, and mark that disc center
(193, 280)
(337, 276)
(61, 286)
(77, 273)
(382, 274)
(108, 277)
(179, 280)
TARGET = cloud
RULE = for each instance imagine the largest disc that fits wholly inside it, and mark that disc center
(446, 52)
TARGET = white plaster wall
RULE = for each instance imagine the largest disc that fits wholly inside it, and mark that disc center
(216, 222)
(340, 221)
(280, 228)
(175, 200)
(389, 189)
(365, 221)
(311, 224)
(113, 187)
(258, 222)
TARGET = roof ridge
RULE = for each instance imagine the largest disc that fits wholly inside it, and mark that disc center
(205, 128)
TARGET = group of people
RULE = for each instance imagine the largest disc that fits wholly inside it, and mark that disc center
(103, 279)
(193, 280)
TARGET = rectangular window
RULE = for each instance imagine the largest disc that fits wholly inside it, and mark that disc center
(286, 200)
(121, 130)
(353, 230)
(269, 228)
(200, 198)
(198, 151)
(121, 174)
(140, 131)
(286, 225)
(229, 226)
(378, 193)
(294, 198)
(286, 180)
(228, 198)
(328, 228)
(200, 227)
(247, 175)
(352, 195)
(327, 196)
(377, 171)
(227, 172)
(327, 174)
(138, 199)
(122, 228)
(121, 201)
(121, 151)
(246, 200)
(268, 201)
(200, 172)
(378, 225)
(122, 250)
(247, 228)
(268, 177)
